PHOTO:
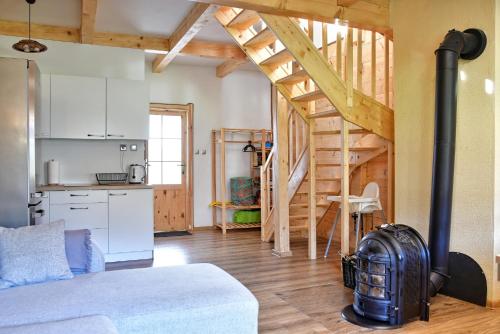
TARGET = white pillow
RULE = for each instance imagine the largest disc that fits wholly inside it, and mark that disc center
(33, 254)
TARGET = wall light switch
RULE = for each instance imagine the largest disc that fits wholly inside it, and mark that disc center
(133, 147)
(123, 147)
(197, 152)
(204, 152)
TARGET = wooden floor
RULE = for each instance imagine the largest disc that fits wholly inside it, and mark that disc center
(297, 295)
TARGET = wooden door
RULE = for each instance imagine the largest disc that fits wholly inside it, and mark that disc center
(170, 166)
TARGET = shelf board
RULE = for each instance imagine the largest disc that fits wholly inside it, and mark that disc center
(239, 207)
(235, 226)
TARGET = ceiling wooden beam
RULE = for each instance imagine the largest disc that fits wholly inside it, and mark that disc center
(87, 27)
(67, 34)
(366, 14)
(229, 67)
(199, 16)
(213, 50)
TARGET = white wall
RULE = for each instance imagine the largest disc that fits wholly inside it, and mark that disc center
(241, 100)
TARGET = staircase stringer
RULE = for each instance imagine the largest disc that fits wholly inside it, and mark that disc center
(365, 112)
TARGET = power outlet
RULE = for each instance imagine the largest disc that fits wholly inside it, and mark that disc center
(123, 147)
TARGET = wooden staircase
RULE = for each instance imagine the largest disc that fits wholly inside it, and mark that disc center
(317, 81)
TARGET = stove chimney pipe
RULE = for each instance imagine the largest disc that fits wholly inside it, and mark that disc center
(468, 44)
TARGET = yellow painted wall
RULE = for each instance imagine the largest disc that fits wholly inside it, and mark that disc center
(419, 27)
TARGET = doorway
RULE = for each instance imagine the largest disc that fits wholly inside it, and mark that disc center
(169, 157)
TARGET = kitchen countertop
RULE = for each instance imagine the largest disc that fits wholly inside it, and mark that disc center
(67, 187)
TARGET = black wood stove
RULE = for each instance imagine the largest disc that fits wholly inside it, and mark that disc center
(395, 271)
(392, 275)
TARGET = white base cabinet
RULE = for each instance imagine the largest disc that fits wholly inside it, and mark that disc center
(131, 221)
(121, 221)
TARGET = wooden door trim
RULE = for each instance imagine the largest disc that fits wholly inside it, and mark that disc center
(188, 111)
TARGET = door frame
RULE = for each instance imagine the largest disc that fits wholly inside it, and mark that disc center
(188, 111)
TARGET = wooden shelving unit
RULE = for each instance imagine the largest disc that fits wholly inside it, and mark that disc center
(220, 140)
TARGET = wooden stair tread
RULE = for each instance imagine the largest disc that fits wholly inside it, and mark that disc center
(302, 216)
(321, 164)
(294, 78)
(318, 193)
(305, 205)
(278, 59)
(311, 96)
(325, 179)
(261, 40)
(351, 149)
(244, 20)
(337, 132)
(324, 114)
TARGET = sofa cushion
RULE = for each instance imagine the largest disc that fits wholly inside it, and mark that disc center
(33, 254)
(94, 324)
(78, 250)
(197, 298)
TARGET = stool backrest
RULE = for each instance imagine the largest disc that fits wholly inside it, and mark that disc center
(371, 190)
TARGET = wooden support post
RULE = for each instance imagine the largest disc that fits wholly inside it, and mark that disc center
(214, 176)
(344, 205)
(263, 146)
(312, 193)
(390, 183)
(324, 40)
(374, 65)
(280, 177)
(349, 74)
(338, 55)
(263, 201)
(359, 66)
(386, 70)
(223, 179)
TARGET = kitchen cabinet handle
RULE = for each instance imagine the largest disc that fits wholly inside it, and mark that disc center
(86, 208)
(30, 205)
(122, 194)
(92, 135)
(119, 136)
(77, 195)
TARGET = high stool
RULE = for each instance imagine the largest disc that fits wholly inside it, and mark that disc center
(367, 203)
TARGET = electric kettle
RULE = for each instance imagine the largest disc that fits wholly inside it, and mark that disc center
(136, 174)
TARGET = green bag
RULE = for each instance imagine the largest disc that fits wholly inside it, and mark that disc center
(246, 216)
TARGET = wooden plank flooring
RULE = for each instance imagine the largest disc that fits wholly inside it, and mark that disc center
(297, 295)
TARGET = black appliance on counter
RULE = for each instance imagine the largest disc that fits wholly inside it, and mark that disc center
(395, 271)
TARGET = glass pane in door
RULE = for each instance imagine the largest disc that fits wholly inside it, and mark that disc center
(165, 154)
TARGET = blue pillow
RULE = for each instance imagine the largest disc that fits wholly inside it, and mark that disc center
(33, 254)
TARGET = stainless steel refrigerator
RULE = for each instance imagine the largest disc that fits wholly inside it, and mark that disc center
(19, 98)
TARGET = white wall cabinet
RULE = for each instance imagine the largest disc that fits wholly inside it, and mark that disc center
(127, 109)
(78, 107)
(92, 108)
(131, 220)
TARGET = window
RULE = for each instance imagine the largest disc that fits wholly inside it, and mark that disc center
(165, 149)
